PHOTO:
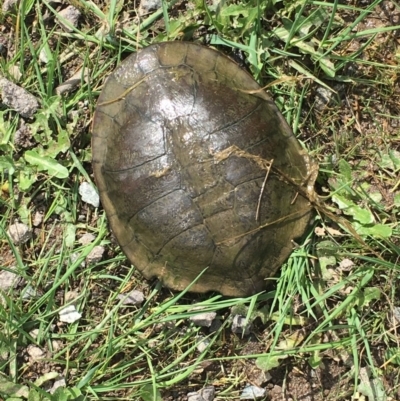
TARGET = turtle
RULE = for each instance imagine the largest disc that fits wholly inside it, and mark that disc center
(202, 180)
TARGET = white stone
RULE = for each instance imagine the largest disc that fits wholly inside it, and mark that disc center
(89, 194)
(69, 314)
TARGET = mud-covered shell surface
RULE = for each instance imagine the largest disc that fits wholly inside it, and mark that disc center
(190, 160)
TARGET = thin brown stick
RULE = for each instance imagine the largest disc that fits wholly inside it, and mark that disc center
(262, 189)
(305, 210)
(123, 94)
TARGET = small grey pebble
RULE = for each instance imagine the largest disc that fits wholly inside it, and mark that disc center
(203, 319)
(37, 219)
(239, 325)
(276, 390)
(19, 233)
(95, 255)
(9, 5)
(396, 313)
(43, 56)
(70, 296)
(89, 194)
(81, 218)
(56, 345)
(73, 82)
(194, 397)
(148, 5)
(252, 393)
(59, 382)
(15, 72)
(205, 394)
(323, 97)
(35, 352)
(73, 257)
(71, 14)
(29, 292)
(261, 377)
(202, 344)
(134, 297)
(23, 136)
(86, 239)
(17, 98)
(34, 333)
(215, 325)
(208, 393)
(9, 280)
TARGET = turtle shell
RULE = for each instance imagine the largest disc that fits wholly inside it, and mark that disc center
(198, 171)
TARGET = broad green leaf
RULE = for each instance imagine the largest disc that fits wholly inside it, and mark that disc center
(377, 230)
(371, 294)
(363, 297)
(395, 156)
(345, 169)
(342, 202)
(55, 147)
(45, 378)
(235, 10)
(267, 363)
(45, 163)
(24, 214)
(63, 140)
(397, 199)
(390, 161)
(373, 389)
(60, 206)
(6, 163)
(327, 248)
(375, 196)
(13, 389)
(291, 341)
(69, 235)
(26, 178)
(386, 162)
(28, 4)
(67, 394)
(40, 129)
(149, 393)
(324, 262)
(34, 395)
(364, 216)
